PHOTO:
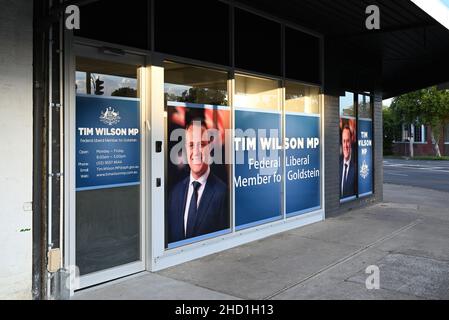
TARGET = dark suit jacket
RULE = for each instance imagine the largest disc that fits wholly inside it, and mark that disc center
(349, 185)
(213, 213)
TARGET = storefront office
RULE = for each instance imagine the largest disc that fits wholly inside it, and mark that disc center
(253, 80)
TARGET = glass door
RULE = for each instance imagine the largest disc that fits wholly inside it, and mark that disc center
(108, 210)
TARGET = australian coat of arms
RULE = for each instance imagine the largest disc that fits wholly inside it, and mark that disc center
(110, 117)
(364, 170)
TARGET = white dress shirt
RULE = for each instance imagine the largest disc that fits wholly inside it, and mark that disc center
(203, 181)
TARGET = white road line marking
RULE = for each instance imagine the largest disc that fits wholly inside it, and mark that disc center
(418, 167)
(398, 174)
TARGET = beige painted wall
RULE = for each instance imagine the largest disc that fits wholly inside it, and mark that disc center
(16, 156)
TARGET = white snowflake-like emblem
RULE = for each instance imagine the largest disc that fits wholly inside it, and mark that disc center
(110, 117)
(364, 170)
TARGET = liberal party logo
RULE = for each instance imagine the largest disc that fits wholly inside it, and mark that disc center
(110, 117)
(364, 170)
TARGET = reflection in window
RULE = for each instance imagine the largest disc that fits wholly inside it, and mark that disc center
(418, 132)
(365, 109)
(184, 83)
(347, 105)
(108, 204)
(406, 132)
(102, 78)
(302, 99)
(105, 85)
(252, 92)
(257, 43)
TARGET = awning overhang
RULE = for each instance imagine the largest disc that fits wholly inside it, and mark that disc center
(409, 52)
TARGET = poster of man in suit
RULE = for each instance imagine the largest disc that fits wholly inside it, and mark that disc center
(348, 167)
(198, 189)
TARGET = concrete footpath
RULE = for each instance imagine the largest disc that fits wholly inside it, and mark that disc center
(407, 237)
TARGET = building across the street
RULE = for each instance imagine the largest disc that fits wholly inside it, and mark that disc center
(162, 131)
(423, 145)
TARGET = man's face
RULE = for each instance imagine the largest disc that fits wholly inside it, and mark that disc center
(197, 150)
(347, 144)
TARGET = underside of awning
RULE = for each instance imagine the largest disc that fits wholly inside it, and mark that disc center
(409, 52)
(411, 48)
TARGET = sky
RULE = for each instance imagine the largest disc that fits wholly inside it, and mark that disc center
(438, 9)
(387, 102)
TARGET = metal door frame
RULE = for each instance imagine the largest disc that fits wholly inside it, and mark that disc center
(107, 52)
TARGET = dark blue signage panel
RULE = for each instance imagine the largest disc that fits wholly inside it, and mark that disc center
(107, 142)
(365, 138)
(302, 164)
(258, 168)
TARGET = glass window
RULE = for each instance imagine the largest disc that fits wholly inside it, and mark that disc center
(257, 43)
(365, 146)
(302, 56)
(195, 29)
(419, 134)
(258, 162)
(196, 169)
(406, 129)
(365, 108)
(108, 153)
(347, 105)
(303, 162)
(257, 93)
(190, 84)
(446, 134)
(348, 148)
(301, 99)
(105, 79)
(112, 21)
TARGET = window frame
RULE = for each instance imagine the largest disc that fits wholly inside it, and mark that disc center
(357, 118)
(405, 134)
(236, 233)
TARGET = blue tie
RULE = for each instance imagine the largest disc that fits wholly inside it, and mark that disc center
(345, 178)
(193, 210)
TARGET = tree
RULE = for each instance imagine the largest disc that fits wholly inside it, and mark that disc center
(435, 114)
(126, 92)
(406, 109)
(211, 96)
(391, 129)
(429, 107)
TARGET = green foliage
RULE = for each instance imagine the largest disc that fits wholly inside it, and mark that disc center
(392, 130)
(200, 95)
(428, 107)
(125, 92)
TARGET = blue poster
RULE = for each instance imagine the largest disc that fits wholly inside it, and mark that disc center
(302, 163)
(365, 138)
(258, 168)
(107, 142)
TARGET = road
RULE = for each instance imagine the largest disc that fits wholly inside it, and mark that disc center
(425, 174)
